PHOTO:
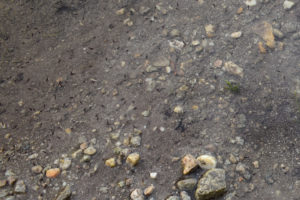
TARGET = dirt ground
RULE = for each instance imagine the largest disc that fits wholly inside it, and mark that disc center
(77, 73)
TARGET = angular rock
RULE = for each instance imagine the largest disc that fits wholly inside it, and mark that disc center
(20, 187)
(137, 194)
(135, 141)
(265, 30)
(133, 159)
(211, 185)
(187, 184)
(64, 194)
(111, 162)
(250, 2)
(184, 195)
(188, 163)
(65, 163)
(4, 193)
(287, 5)
(2, 183)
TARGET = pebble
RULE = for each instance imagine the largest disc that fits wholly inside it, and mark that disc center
(232, 159)
(195, 42)
(11, 180)
(2, 183)
(153, 175)
(64, 194)
(135, 141)
(149, 190)
(144, 10)
(176, 44)
(173, 198)
(287, 5)
(90, 151)
(184, 195)
(121, 11)
(256, 164)
(211, 185)
(37, 169)
(210, 30)
(133, 159)
(174, 33)
(20, 187)
(296, 36)
(188, 163)
(236, 34)
(187, 184)
(33, 156)
(65, 163)
(146, 113)
(85, 158)
(265, 30)
(4, 193)
(277, 33)
(250, 2)
(76, 153)
(161, 62)
(233, 68)
(137, 194)
(111, 162)
(52, 173)
(207, 162)
(178, 109)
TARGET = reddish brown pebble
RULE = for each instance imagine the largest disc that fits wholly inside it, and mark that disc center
(52, 173)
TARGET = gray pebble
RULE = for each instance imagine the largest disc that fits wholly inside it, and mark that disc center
(20, 187)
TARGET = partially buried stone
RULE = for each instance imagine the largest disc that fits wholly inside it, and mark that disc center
(64, 194)
(90, 150)
(287, 5)
(133, 159)
(211, 185)
(65, 163)
(187, 184)
(173, 198)
(184, 195)
(20, 187)
(37, 169)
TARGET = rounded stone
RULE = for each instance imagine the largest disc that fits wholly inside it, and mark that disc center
(90, 151)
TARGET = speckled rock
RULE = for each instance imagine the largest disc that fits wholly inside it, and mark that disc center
(187, 184)
(211, 185)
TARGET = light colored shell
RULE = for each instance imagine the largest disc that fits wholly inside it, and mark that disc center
(207, 162)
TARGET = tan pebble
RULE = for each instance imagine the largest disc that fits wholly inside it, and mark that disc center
(11, 180)
(188, 163)
(207, 162)
(240, 10)
(256, 164)
(121, 11)
(2, 183)
(83, 145)
(52, 173)
(68, 130)
(133, 159)
(37, 169)
(218, 63)
(110, 162)
(178, 109)
(237, 34)
(149, 190)
(210, 30)
(90, 151)
(265, 30)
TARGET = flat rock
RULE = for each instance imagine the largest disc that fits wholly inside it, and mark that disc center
(137, 194)
(161, 62)
(233, 68)
(64, 194)
(211, 185)
(187, 184)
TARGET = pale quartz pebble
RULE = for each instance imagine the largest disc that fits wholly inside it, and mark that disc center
(236, 34)
(207, 162)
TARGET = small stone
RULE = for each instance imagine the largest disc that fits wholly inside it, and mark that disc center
(64, 194)
(173, 198)
(146, 113)
(149, 190)
(4, 193)
(277, 33)
(90, 151)
(37, 169)
(68, 131)
(296, 36)
(188, 163)
(33, 156)
(133, 159)
(20, 187)
(137, 194)
(76, 153)
(85, 158)
(174, 33)
(287, 5)
(11, 180)
(261, 48)
(111, 162)
(153, 175)
(232, 159)
(65, 163)
(2, 183)
(184, 195)
(218, 63)
(187, 184)
(83, 146)
(210, 30)
(121, 11)
(52, 173)
(103, 190)
(135, 141)
(233, 68)
(265, 30)
(250, 2)
(256, 164)
(195, 42)
(178, 109)
(240, 10)
(211, 185)
(144, 10)
(176, 44)
(161, 62)
(207, 162)
(236, 34)
(10, 198)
